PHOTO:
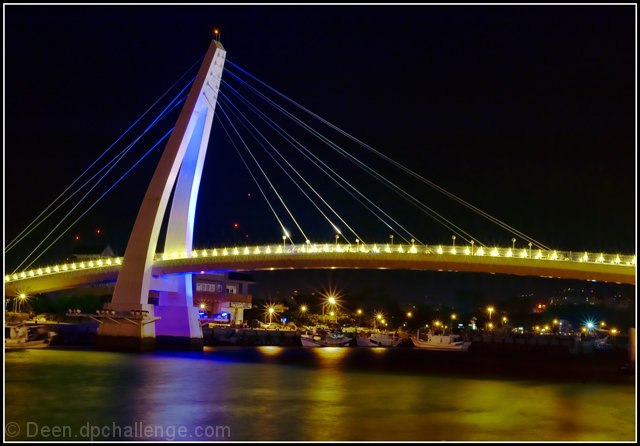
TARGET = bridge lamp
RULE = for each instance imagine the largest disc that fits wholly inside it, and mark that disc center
(391, 237)
(472, 243)
(453, 239)
(513, 243)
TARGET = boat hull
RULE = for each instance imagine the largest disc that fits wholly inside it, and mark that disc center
(454, 346)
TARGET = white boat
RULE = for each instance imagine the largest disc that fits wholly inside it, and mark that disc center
(451, 342)
(378, 340)
(328, 340)
(18, 338)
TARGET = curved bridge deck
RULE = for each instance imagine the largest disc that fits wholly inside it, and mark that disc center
(557, 264)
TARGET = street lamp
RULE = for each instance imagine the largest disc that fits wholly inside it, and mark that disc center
(513, 241)
(472, 243)
(490, 310)
(530, 244)
(409, 314)
(303, 308)
(391, 237)
(453, 239)
(271, 311)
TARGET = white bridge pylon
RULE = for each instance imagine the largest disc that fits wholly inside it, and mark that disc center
(180, 165)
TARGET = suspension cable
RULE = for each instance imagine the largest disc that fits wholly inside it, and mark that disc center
(97, 200)
(15, 239)
(414, 201)
(116, 159)
(397, 164)
(292, 169)
(265, 175)
(309, 155)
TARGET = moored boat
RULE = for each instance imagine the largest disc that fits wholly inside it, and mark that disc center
(378, 340)
(19, 337)
(451, 342)
(326, 340)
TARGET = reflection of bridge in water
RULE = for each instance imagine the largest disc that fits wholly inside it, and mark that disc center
(525, 262)
(174, 188)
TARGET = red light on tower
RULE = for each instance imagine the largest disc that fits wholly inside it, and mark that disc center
(77, 237)
(98, 231)
(236, 225)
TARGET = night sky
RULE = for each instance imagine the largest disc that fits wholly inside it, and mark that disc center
(526, 112)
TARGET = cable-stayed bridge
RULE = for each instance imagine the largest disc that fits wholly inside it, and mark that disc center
(175, 185)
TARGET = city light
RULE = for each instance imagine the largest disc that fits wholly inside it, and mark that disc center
(359, 311)
(409, 314)
(490, 310)
(303, 308)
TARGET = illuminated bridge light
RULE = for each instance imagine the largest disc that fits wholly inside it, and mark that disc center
(387, 249)
(48, 270)
(326, 248)
(118, 260)
(214, 253)
(480, 252)
(40, 271)
(194, 253)
(279, 250)
(362, 249)
(165, 256)
(65, 267)
(439, 251)
(15, 277)
(509, 253)
(303, 249)
(31, 273)
(81, 264)
(174, 255)
(23, 275)
(204, 253)
(108, 261)
(7, 278)
(494, 253)
(413, 249)
(453, 250)
(554, 256)
(99, 262)
(586, 257)
(56, 268)
(184, 254)
(91, 264)
(268, 249)
(375, 248)
(539, 255)
(400, 249)
(467, 251)
(246, 251)
(617, 259)
(524, 253)
(257, 251)
(600, 259)
(633, 261)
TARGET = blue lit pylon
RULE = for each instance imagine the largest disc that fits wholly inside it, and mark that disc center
(180, 165)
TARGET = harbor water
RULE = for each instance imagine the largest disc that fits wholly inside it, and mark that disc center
(315, 394)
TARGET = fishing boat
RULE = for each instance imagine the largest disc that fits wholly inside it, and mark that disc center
(325, 340)
(25, 336)
(378, 340)
(450, 342)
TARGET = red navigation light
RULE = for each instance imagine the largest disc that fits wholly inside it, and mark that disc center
(249, 194)
(98, 231)
(236, 225)
(77, 237)
(246, 236)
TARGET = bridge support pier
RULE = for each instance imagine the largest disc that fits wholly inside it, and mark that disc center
(127, 330)
(179, 325)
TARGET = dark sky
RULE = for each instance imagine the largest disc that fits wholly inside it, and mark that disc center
(526, 112)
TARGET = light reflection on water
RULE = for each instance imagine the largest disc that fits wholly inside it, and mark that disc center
(275, 393)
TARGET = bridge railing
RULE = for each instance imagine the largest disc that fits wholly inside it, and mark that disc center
(355, 248)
